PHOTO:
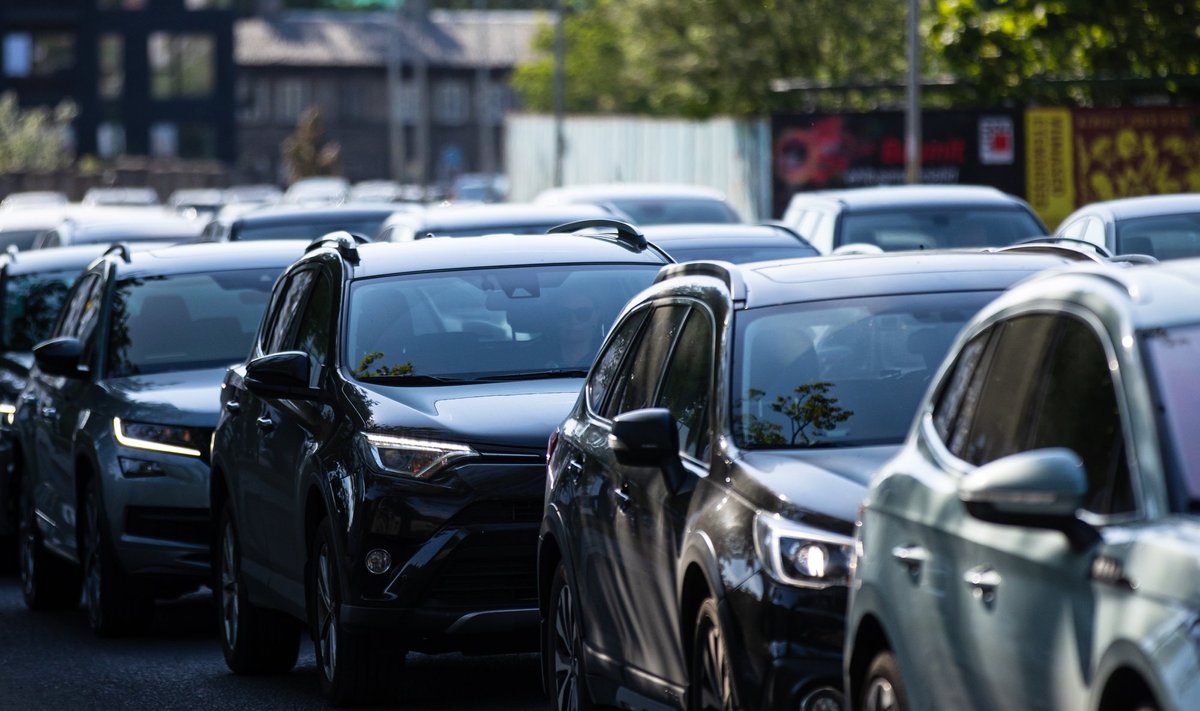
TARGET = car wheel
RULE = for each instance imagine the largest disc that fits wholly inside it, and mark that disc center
(883, 689)
(255, 640)
(562, 647)
(711, 682)
(115, 604)
(354, 668)
(47, 581)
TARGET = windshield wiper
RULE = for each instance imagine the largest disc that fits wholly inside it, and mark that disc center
(538, 375)
(413, 379)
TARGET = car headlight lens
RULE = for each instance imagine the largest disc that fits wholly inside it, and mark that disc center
(800, 555)
(418, 458)
(170, 439)
(8, 412)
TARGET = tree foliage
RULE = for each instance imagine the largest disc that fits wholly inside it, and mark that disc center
(1113, 50)
(33, 139)
(306, 153)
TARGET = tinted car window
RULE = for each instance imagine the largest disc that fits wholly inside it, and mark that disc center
(1172, 355)
(83, 299)
(481, 323)
(737, 254)
(186, 321)
(634, 386)
(687, 385)
(939, 229)
(959, 397)
(309, 230)
(663, 211)
(606, 365)
(315, 327)
(31, 304)
(1165, 237)
(283, 318)
(840, 373)
(21, 239)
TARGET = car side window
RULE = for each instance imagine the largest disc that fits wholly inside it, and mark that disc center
(73, 309)
(687, 385)
(634, 386)
(608, 361)
(314, 334)
(957, 400)
(284, 315)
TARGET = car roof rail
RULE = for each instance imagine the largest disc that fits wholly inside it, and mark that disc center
(1134, 259)
(725, 271)
(626, 233)
(344, 242)
(1078, 243)
(783, 226)
(1062, 250)
(119, 249)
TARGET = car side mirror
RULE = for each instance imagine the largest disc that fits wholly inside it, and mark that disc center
(281, 375)
(648, 438)
(1042, 488)
(60, 356)
(857, 248)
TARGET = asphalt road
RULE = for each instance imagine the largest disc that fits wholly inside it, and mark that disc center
(53, 661)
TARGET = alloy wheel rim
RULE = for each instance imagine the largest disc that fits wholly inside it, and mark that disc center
(566, 661)
(880, 696)
(715, 686)
(326, 623)
(93, 573)
(229, 586)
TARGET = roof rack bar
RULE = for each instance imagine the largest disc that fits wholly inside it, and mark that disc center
(626, 232)
(725, 271)
(120, 249)
(344, 242)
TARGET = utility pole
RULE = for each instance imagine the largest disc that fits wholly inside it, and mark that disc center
(912, 114)
(395, 74)
(421, 67)
(487, 159)
(560, 81)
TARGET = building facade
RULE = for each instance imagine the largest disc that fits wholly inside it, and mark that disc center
(148, 77)
(448, 104)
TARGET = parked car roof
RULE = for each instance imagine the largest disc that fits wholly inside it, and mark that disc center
(121, 196)
(479, 219)
(32, 199)
(729, 242)
(1143, 206)
(648, 203)
(309, 222)
(199, 257)
(916, 196)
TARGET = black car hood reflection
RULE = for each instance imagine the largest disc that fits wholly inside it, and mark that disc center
(797, 483)
(519, 414)
(185, 397)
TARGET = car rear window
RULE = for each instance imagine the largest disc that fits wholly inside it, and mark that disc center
(1163, 237)
(309, 230)
(674, 211)
(950, 228)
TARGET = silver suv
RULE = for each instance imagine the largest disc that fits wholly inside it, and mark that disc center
(1035, 544)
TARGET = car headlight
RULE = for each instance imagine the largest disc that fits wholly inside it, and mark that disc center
(8, 412)
(170, 439)
(418, 458)
(800, 555)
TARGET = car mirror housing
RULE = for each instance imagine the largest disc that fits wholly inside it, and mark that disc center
(60, 356)
(1042, 488)
(648, 438)
(281, 375)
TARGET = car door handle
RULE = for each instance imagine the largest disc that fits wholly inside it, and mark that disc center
(911, 557)
(574, 467)
(232, 407)
(983, 580)
(264, 423)
(624, 500)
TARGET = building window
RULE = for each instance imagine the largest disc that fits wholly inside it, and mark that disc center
(110, 139)
(121, 4)
(450, 102)
(197, 140)
(253, 100)
(291, 97)
(112, 66)
(182, 66)
(38, 54)
(497, 100)
(164, 140)
(407, 103)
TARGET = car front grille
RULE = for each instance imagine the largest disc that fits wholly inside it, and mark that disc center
(490, 569)
(485, 512)
(172, 524)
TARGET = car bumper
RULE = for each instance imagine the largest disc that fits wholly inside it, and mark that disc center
(791, 642)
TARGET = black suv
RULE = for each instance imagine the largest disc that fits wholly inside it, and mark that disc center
(378, 469)
(113, 428)
(702, 493)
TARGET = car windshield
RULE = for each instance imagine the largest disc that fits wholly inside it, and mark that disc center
(481, 324)
(950, 228)
(840, 373)
(310, 230)
(186, 321)
(1172, 354)
(31, 305)
(1163, 237)
(673, 211)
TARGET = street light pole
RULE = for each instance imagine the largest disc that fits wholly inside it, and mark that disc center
(560, 80)
(912, 114)
(394, 76)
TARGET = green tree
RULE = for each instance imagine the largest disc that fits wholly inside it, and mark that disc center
(306, 153)
(1114, 50)
(33, 139)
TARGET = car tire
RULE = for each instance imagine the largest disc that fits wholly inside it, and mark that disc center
(116, 604)
(882, 688)
(710, 683)
(255, 640)
(354, 668)
(562, 648)
(47, 581)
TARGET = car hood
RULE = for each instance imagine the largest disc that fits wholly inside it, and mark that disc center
(810, 484)
(186, 397)
(519, 414)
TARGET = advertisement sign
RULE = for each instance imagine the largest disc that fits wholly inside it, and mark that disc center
(1049, 165)
(1129, 152)
(823, 151)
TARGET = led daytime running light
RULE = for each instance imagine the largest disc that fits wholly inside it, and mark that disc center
(147, 444)
(9, 412)
(382, 440)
